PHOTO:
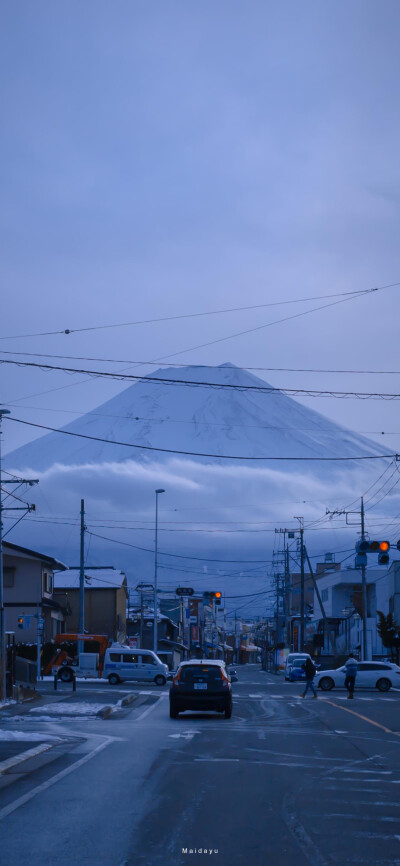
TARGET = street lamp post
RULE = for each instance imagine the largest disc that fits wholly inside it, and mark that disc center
(3, 687)
(155, 576)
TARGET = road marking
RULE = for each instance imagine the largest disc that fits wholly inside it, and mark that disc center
(364, 718)
(216, 760)
(43, 787)
(187, 735)
(149, 709)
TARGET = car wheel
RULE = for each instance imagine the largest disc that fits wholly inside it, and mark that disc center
(173, 712)
(383, 684)
(65, 675)
(326, 684)
(113, 679)
(228, 711)
(160, 680)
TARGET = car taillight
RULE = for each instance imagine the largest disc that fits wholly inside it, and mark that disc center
(224, 678)
(176, 679)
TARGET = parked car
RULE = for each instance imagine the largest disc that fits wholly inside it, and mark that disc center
(370, 675)
(290, 659)
(122, 663)
(201, 685)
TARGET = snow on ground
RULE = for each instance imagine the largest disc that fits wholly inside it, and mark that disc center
(62, 709)
(24, 735)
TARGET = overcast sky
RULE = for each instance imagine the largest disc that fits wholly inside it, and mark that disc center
(167, 158)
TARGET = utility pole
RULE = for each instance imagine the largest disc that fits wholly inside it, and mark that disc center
(363, 576)
(302, 618)
(81, 627)
(2, 612)
(364, 588)
(155, 621)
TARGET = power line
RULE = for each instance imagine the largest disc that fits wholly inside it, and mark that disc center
(191, 422)
(196, 453)
(347, 295)
(191, 383)
(135, 361)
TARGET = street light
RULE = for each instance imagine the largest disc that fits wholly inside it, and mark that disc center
(155, 575)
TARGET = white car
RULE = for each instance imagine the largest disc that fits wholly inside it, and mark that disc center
(370, 675)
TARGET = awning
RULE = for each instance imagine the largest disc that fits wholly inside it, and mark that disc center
(250, 648)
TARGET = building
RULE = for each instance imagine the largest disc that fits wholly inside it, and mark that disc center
(106, 594)
(140, 633)
(28, 578)
(340, 630)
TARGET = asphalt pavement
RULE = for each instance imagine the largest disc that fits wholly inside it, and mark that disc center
(286, 781)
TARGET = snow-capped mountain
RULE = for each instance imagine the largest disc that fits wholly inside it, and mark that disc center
(218, 516)
(185, 418)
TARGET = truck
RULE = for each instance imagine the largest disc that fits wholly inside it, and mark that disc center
(65, 659)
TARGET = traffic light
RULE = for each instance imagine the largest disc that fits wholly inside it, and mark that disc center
(21, 622)
(212, 596)
(383, 555)
(380, 547)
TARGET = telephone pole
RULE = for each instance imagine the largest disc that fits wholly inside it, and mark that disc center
(81, 627)
(302, 616)
(2, 612)
(363, 577)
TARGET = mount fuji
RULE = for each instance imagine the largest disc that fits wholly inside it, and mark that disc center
(218, 515)
(230, 420)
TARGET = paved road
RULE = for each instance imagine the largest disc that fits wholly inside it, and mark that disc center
(286, 781)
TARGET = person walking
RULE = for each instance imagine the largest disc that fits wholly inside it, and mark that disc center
(310, 671)
(351, 668)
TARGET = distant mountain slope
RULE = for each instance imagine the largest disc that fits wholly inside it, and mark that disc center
(200, 419)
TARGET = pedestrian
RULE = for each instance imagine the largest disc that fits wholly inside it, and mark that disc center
(351, 668)
(310, 671)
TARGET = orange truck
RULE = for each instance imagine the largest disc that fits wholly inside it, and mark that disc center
(67, 661)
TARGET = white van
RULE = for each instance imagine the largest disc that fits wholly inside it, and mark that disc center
(122, 663)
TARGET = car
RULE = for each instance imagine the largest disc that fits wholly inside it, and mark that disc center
(201, 685)
(122, 663)
(297, 671)
(290, 659)
(370, 674)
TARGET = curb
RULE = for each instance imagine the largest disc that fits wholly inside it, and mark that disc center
(25, 756)
(104, 713)
(128, 699)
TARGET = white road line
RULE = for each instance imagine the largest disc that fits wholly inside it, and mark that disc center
(43, 787)
(149, 709)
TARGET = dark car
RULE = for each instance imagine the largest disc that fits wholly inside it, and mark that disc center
(201, 685)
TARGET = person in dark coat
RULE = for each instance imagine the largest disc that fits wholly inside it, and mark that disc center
(310, 671)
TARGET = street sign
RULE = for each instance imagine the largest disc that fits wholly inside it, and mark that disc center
(184, 590)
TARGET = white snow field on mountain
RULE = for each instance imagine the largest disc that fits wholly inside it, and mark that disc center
(219, 511)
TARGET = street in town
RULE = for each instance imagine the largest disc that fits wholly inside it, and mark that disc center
(285, 781)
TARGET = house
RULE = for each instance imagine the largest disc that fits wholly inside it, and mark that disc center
(341, 596)
(28, 591)
(106, 594)
(140, 632)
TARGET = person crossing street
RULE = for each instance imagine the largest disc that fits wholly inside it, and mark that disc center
(351, 667)
(310, 671)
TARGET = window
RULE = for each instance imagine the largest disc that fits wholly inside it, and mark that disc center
(47, 581)
(325, 594)
(115, 657)
(370, 666)
(148, 660)
(130, 658)
(8, 577)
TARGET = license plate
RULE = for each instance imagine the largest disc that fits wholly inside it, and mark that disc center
(200, 685)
